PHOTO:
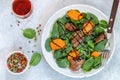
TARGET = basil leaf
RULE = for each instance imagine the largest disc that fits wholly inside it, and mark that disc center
(29, 33)
(36, 57)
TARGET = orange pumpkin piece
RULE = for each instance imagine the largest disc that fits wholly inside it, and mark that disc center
(73, 54)
(75, 15)
(57, 44)
(95, 54)
(70, 58)
(88, 27)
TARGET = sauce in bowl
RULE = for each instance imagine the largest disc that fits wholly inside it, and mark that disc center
(17, 62)
(22, 8)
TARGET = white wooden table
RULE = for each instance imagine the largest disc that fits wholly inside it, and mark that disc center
(11, 39)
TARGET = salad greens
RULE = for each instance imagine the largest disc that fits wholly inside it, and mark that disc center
(93, 18)
(73, 39)
(63, 63)
(55, 32)
(87, 66)
(100, 46)
(47, 45)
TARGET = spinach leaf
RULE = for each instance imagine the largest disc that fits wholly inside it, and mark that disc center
(101, 45)
(47, 45)
(29, 33)
(55, 32)
(88, 17)
(103, 24)
(36, 57)
(97, 61)
(75, 22)
(61, 31)
(63, 63)
(59, 54)
(90, 44)
(88, 65)
(83, 50)
(77, 10)
(88, 38)
(93, 18)
(68, 46)
(66, 35)
(79, 23)
(98, 30)
(83, 54)
(63, 20)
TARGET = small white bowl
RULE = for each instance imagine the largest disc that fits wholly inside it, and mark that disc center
(14, 72)
(23, 16)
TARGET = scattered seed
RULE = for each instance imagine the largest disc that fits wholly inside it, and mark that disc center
(29, 41)
(28, 51)
(11, 25)
(18, 21)
(20, 47)
(37, 28)
(32, 51)
(12, 13)
(38, 33)
(35, 39)
(39, 25)
(18, 24)
(35, 45)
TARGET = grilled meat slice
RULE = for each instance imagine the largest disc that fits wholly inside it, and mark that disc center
(70, 27)
(100, 38)
(76, 64)
(77, 38)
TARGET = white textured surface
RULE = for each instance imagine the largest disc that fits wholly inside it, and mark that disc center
(42, 12)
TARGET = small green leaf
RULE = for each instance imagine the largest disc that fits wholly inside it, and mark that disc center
(93, 18)
(59, 54)
(101, 45)
(63, 63)
(55, 32)
(91, 44)
(47, 45)
(97, 61)
(63, 20)
(103, 24)
(99, 30)
(88, 65)
(36, 57)
(29, 33)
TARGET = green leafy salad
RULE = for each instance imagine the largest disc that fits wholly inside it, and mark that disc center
(77, 40)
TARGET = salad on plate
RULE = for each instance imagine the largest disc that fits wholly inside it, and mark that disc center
(77, 40)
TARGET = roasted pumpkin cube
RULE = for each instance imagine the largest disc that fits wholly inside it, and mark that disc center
(88, 27)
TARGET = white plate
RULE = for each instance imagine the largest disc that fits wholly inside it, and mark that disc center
(46, 32)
